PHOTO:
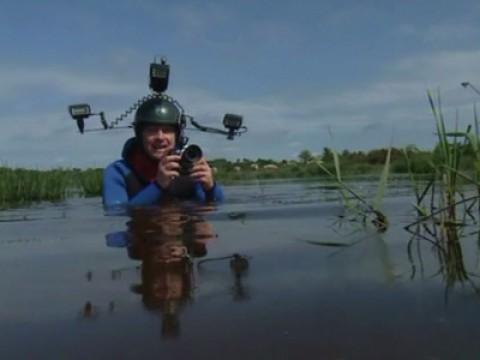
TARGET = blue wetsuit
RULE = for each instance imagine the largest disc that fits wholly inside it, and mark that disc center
(122, 186)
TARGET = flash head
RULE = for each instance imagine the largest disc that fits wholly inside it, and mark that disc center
(79, 111)
(159, 74)
(233, 123)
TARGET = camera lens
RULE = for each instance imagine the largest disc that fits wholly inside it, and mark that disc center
(190, 156)
(192, 153)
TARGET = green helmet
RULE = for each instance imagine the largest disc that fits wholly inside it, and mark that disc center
(158, 110)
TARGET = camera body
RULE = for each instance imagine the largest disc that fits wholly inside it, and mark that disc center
(189, 157)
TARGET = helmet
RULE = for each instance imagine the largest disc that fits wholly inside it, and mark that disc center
(159, 110)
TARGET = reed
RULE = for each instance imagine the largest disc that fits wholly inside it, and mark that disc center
(439, 220)
(474, 142)
(90, 182)
(447, 164)
(20, 187)
(357, 204)
(445, 187)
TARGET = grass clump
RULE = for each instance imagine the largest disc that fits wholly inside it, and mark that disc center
(90, 182)
(20, 187)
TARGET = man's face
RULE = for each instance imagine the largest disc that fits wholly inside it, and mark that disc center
(158, 140)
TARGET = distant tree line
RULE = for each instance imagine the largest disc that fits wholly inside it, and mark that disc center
(402, 161)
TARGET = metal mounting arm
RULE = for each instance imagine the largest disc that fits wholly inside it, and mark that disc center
(233, 129)
(466, 84)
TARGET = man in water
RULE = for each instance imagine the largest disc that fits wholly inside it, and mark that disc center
(150, 168)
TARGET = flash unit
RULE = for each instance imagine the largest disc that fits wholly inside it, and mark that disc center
(232, 122)
(79, 112)
(159, 74)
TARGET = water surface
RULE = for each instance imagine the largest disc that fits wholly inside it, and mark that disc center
(79, 284)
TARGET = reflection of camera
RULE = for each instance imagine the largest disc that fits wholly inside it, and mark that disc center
(190, 155)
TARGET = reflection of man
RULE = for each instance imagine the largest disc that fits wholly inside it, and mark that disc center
(149, 168)
(166, 284)
(165, 241)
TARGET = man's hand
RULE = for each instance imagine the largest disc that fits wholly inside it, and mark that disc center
(168, 170)
(202, 172)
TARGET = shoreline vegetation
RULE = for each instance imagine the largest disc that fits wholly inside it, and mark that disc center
(20, 187)
(454, 160)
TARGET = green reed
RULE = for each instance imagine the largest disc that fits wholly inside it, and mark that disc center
(448, 161)
(438, 204)
(474, 142)
(25, 186)
(360, 207)
(21, 186)
(90, 181)
(445, 189)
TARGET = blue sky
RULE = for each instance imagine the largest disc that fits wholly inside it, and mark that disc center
(305, 75)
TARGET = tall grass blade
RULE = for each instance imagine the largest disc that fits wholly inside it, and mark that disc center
(382, 186)
(338, 173)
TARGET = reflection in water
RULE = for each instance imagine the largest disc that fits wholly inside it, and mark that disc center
(89, 311)
(239, 265)
(447, 248)
(166, 240)
(345, 296)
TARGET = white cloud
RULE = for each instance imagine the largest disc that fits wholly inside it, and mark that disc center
(198, 22)
(446, 34)
(18, 80)
(406, 30)
(397, 101)
(442, 66)
(360, 116)
(450, 32)
(404, 84)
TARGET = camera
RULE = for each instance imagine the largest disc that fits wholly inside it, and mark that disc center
(189, 157)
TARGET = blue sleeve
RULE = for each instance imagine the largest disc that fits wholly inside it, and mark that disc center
(215, 194)
(115, 193)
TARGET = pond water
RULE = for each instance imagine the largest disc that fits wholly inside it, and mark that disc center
(273, 273)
